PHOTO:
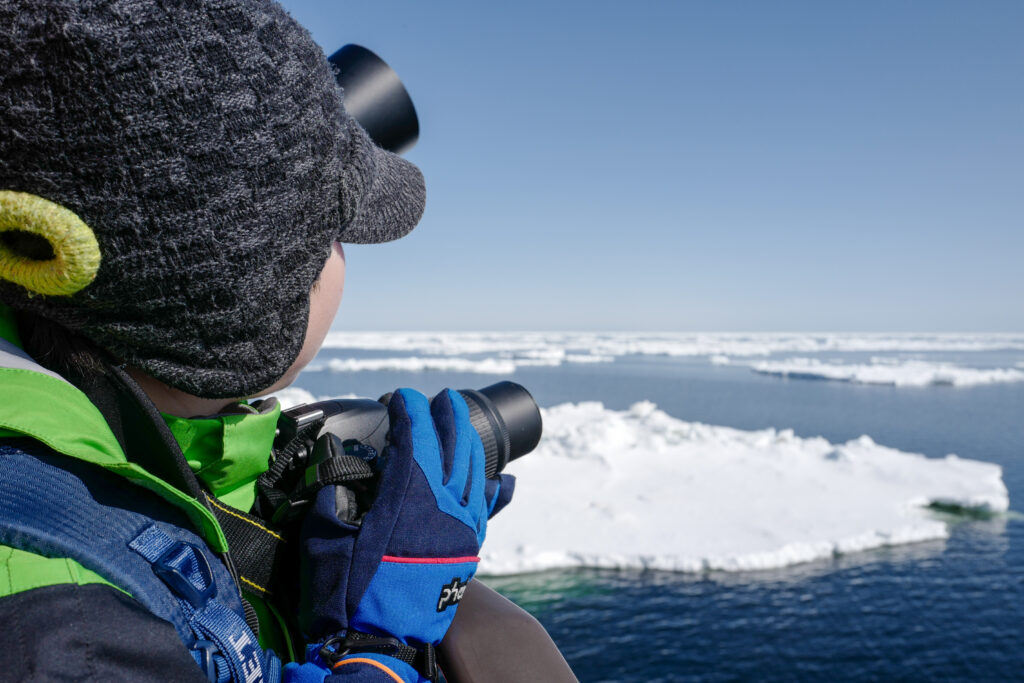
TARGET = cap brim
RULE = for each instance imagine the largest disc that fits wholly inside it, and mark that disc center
(386, 193)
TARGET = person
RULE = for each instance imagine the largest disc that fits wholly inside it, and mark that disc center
(176, 180)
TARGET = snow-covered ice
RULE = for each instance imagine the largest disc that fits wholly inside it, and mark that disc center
(293, 396)
(641, 489)
(505, 352)
(901, 373)
(487, 366)
(552, 344)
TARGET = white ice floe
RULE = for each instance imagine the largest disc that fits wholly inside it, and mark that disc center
(487, 366)
(484, 366)
(552, 345)
(641, 489)
(587, 358)
(901, 373)
(504, 352)
(292, 396)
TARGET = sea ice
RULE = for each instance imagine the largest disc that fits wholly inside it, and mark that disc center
(487, 366)
(641, 489)
(293, 396)
(505, 364)
(512, 350)
(556, 345)
(901, 373)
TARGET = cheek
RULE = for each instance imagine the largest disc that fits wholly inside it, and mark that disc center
(326, 298)
(324, 302)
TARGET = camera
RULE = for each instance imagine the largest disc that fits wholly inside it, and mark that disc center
(504, 415)
(337, 441)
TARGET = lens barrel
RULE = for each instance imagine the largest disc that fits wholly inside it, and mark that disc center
(376, 98)
(508, 421)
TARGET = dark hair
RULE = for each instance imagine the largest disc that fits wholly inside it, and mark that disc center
(58, 349)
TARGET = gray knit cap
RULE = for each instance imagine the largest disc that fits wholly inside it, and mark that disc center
(190, 164)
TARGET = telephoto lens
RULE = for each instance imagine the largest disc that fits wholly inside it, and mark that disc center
(508, 421)
(376, 98)
(504, 415)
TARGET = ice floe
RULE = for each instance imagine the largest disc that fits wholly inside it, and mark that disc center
(641, 489)
(895, 372)
(292, 396)
(502, 365)
(487, 366)
(505, 352)
(557, 345)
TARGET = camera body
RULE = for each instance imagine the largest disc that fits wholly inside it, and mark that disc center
(504, 415)
(338, 441)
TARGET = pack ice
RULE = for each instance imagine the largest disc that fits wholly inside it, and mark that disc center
(641, 489)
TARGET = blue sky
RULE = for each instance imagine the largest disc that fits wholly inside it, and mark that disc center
(700, 166)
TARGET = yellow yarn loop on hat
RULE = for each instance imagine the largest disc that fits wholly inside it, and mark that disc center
(74, 254)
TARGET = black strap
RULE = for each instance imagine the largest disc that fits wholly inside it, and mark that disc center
(423, 659)
(259, 556)
(258, 550)
(260, 547)
(327, 461)
(340, 469)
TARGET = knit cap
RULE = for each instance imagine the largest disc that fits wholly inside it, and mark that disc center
(172, 176)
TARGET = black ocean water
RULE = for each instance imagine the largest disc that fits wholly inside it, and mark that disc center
(951, 609)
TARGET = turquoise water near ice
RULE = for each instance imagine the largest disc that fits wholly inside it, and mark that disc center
(941, 610)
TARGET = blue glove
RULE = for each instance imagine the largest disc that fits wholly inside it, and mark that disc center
(402, 571)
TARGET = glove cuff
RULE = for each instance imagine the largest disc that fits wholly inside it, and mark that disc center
(357, 664)
(341, 648)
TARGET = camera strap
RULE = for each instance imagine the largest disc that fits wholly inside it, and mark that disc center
(259, 551)
(259, 546)
(259, 543)
(304, 461)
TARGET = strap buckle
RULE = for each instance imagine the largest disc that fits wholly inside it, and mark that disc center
(203, 651)
(186, 570)
(424, 659)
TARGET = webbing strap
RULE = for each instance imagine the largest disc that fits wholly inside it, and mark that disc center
(258, 546)
(59, 507)
(341, 469)
(185, 569)
(257, 550)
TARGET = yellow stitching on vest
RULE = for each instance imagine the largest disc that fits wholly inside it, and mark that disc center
(76, 253)
(244, 519)
(254, 585)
